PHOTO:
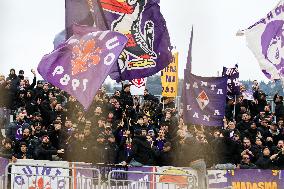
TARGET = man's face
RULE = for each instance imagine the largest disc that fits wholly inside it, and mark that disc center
(58, 107)
(280, 144)
(140, 121)
(68, 124)
(168, 115)
(267, 109)
(266, 152)
(166, 149)
(264, 123)
(98, 110)
(117, 93)
(21, 117)
(22, 82)
(253, 126)
(161, 133)
(38, 127)
(100, 140)
(246, 143)
(26, 133)
(245, 117)
(127, 89)
(258, 142)
(144, 132)
(145, 92)
(216, 134)
(149, 138)
(24, 148)
(246, 159)
(145, 120)
(8, 145)
(57, 126)
(88, 123)
(231, 125)
(45, 87)
(87, 132)
(45, 140)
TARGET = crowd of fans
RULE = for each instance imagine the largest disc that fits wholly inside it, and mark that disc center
(121, 128)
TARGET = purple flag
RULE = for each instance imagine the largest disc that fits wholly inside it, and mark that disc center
(83, 12)
(233, 85)
(205, 99)
(148, 49)
(80, 65)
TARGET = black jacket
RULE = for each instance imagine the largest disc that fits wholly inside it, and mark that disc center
(142, 151)
(45, 152)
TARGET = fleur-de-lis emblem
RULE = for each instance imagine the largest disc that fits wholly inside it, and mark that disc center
(39, 184)
(84, 54)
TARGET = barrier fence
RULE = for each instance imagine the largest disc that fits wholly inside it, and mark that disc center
(35, 174)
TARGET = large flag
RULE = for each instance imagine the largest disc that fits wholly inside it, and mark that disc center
(83, 12)
(148, 49)
(233, 85)
(80, 65)
(204, 100)
(169, 78)
(265, 39)
(138, 86)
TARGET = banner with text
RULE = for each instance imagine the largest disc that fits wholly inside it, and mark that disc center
(204, 100)
(169, 78)
(45, 174)
(245, 179)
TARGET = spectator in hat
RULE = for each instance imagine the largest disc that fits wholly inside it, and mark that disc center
(45, 150)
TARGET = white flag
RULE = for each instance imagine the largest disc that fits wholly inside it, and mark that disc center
(266, 40)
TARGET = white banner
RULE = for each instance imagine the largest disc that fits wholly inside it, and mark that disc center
(266, 40)
(138, 86)
(40, 175)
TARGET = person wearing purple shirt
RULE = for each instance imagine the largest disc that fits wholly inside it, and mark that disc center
(15, 129)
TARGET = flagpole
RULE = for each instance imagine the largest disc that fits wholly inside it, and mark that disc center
(235, 108)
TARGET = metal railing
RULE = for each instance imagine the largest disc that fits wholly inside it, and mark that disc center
(151, 180)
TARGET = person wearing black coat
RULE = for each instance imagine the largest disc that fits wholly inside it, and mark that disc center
(166, 156)
(126, 97)
(45, 150)
(279, 108)
(142, 153)
(265, 161)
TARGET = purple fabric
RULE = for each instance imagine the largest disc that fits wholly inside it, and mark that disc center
(242, 178)
(233, 85)
(81, 64)
(205, 99)
(148, 49)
